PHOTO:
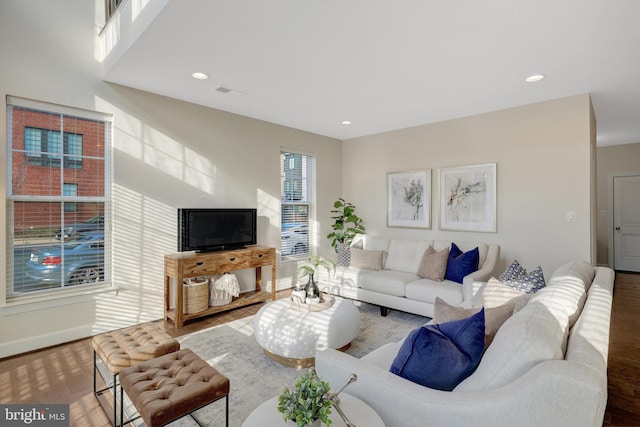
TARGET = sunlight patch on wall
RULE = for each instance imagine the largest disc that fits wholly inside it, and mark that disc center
(109, 37)
(156, 149)
(136, 8)
(200, 173)
(269, 231)
(163, 153)
(144, 230)
(126, 130)
(269, 209)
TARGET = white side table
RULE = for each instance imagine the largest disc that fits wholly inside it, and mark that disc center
(293, 337)
(358, 412)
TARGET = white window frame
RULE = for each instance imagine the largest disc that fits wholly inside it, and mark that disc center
(62, 295)
(308, 199)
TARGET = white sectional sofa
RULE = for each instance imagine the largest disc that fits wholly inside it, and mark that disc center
(546, 366)
(396, 285)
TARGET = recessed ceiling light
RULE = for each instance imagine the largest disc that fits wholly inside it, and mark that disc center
(534, 78)
(346, 122)
(199, 76)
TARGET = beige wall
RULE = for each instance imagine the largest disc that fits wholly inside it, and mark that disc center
(618, 159)
(170, 153)
(544, 165)
(167, 154)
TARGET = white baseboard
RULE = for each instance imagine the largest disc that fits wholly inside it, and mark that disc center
(24, 345)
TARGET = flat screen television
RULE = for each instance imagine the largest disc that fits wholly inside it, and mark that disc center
(206, 230)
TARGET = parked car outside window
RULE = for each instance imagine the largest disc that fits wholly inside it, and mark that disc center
(295, 239)
(77, 262)
(95, 223)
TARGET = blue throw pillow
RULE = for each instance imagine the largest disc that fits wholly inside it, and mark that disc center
(461, 263)
(442, 356)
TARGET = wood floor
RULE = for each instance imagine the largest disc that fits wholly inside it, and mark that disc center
(64, 373)
(623, 408)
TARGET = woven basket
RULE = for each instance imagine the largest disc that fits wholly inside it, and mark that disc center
(195, 297)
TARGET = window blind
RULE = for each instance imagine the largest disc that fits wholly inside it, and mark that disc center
(58, 199)
(296, 198)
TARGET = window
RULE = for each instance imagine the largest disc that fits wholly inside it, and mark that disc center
(72, 191)
(110, 7)
(58, 199)
(296, 199)
(43, 148)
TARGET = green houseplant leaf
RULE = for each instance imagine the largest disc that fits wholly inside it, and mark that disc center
(316, 263)
(307, 402)
(346, 224)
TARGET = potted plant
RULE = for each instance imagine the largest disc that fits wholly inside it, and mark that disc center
(310, 269)
(345, 227)
(308, 403)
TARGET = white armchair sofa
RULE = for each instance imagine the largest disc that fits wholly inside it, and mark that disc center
(547, 365)
(396, 285)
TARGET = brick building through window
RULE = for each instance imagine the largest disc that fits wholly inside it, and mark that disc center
(42, 143)
(57, 197)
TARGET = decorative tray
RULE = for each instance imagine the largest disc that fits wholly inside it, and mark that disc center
(326, 301)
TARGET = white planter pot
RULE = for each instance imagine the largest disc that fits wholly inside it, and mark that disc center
(344, 254)
(316, 423)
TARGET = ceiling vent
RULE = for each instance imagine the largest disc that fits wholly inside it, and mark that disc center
(223, 89)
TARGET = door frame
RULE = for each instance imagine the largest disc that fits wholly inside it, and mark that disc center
(610, 215)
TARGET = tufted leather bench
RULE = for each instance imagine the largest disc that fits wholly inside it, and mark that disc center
(127, 347)
(172, 386)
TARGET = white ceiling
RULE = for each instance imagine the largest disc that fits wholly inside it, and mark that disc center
(385, 65)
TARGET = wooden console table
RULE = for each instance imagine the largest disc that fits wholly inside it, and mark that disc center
(182, 266)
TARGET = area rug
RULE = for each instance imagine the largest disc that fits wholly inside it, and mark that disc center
(255, 378)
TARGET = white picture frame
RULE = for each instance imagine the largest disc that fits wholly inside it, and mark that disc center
(409, 199)
(468, 198)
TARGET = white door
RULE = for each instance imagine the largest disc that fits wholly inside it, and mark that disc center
(626, 222)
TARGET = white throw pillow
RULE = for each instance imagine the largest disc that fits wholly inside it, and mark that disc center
(496, 293)
(405, 255)
(576, 270)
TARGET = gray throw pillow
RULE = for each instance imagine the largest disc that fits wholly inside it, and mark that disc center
(370, 260)
(494, 317)
(433, 264)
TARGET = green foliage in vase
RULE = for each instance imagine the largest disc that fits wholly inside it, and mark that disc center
(346, 223)
(314, 264)
(307, 401)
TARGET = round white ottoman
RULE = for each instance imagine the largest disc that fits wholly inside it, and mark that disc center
(292, 337)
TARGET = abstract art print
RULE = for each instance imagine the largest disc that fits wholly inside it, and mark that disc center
(409, 199)
(468, 198)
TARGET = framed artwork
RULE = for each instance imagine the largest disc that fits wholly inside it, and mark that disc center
(468, 198)
(409, 199)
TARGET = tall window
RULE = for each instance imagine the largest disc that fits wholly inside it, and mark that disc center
(58, 197)
(296, 199)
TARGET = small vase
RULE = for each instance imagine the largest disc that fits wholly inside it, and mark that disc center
(312, 289)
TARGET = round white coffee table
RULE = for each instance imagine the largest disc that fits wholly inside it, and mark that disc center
(293, 337)
(358, 412)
